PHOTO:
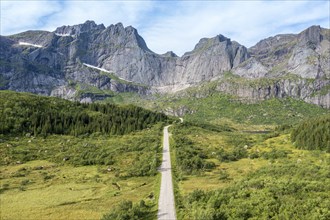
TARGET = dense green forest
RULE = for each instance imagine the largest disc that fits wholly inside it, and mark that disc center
(313, 134)
(22, 113)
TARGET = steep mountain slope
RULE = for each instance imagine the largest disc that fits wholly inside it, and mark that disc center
(74, 60)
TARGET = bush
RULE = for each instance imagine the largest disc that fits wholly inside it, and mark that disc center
(126, 210)
(144, 165)
(275, 154)
(235, 154)
(189, 158)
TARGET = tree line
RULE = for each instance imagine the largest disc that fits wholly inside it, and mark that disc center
(313, 134)
(22, 113)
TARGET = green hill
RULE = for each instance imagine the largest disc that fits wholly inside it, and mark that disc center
(22, 113)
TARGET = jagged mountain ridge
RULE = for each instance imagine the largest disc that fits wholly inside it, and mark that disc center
(117, 58)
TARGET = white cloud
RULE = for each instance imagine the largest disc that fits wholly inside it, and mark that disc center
(244, 21)
(18, 16)
(107, 12)
(172, 25)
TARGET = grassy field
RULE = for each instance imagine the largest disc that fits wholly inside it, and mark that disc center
(66, 192)
(38, 181)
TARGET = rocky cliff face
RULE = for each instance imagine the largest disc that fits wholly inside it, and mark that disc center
(76, 61)
(298, 88)
(306, 55)
(298, 63)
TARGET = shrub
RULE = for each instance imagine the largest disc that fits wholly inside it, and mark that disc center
(275, 154)
(189, 158)
(235, 154)
(126, 210)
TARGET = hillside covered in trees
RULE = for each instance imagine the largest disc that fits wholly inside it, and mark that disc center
(313, 134)
(22, 113)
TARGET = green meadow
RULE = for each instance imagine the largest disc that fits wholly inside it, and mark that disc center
(230, 159)
(46, 178)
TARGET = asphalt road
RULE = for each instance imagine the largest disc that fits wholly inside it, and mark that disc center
(166, 207)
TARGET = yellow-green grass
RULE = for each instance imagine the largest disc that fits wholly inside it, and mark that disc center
(235, 171)
(70, 193)
(55, 188)
(243, 126)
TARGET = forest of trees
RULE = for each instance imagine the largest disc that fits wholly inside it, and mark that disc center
(313, 134)
(22, 113)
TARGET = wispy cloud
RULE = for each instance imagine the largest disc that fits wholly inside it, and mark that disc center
(244, 21)
(172, 25)
(18, 16)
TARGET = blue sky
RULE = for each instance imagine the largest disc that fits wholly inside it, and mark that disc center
(171, 25)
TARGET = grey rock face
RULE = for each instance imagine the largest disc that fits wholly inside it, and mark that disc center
(211, 58)
(305, 54)
(75, 30)
(302, 89)
(116, 58)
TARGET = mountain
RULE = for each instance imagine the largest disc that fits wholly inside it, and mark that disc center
(89, 61)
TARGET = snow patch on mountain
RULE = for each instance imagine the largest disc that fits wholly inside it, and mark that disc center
(64, 35)
(97, 68)
(29, 44)
(104, 70)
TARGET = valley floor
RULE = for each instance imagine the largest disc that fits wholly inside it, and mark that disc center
(240, 175)
(229, 160)
(66, 192)
(45, 178)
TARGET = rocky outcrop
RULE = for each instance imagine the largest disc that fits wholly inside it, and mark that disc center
(76, 30)
(210, 58)
(306, 54)
(252, 90)
(116, 58)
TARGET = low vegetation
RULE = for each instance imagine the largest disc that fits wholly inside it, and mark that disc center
(279, 191)
(254, 175)
(128, 210)
(81, 177)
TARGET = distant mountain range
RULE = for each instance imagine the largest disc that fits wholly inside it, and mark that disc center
(87, 61)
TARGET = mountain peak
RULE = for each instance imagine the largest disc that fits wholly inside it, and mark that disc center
(169, 54)
(221, 38)
(79, 28)
(126, 35)
(46, 61)
(311, 34)
(206, 43)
